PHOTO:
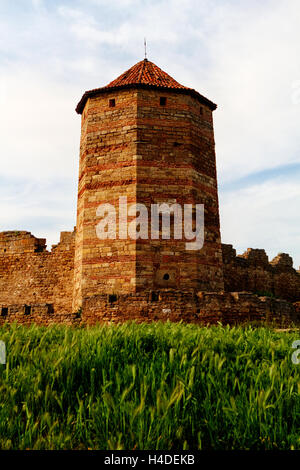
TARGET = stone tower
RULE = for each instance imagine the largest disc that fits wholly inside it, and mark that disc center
(146, 137)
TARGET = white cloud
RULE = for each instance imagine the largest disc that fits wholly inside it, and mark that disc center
(263, 216)
(40, 129)
(37, 3)
(256, 61)
(243, 55)
(44, 208)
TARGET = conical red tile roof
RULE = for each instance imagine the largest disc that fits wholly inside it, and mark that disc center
(148, 73)
(144, 74)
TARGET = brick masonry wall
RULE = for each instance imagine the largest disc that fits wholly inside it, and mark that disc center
(252, 272)
(36, 277)
(36, 287)
(203, 308)
(107, 170)
(20, 242)
(177, 163)
(40, 314)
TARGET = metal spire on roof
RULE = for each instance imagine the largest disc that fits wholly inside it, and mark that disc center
(145, 45)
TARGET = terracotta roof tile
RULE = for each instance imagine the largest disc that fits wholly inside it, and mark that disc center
(144, 74)
(148, 73)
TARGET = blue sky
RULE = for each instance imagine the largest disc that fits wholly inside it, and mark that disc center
(243, 55)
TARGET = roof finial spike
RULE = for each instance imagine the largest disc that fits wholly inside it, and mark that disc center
(145, 45)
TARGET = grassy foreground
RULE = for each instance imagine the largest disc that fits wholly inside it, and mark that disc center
(151, 386)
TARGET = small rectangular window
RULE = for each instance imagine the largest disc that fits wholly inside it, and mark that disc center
(50, 308)
(27, 310)
(4, 311)
(163, 101)
(154, 296)
(112, 103)
(201, 110)
(112, 298)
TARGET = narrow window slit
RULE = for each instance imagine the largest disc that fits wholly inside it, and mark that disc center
(27, 310)
(112, 298)
(4, 311)
(154, 296)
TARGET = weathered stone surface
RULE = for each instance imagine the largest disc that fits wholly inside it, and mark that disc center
(203, 308)
(20, 242)
(32, 275)
(252, 272)
(41, 314)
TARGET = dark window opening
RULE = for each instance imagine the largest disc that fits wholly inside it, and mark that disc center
(166, 277)
(50, 308)
(27, 310)
(201, 110)
(112, 103)
(112, 298)
(154, 296)
(163, 101)
(4, 311)
(177, 144)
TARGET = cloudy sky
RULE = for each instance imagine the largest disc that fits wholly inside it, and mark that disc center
(243, 55)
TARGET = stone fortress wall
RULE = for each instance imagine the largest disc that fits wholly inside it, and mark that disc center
(36, 285)
(252, 272)
(35, 282)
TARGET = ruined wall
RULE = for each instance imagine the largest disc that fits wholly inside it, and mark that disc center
(31, 275)
(40, 314)
(20, 242)
(36, 287)
(203, 308)
(252, 272)
(207, 308)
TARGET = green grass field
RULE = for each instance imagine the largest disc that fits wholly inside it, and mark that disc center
(150, 386)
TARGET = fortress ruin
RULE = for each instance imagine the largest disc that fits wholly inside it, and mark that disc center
(146, 137)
